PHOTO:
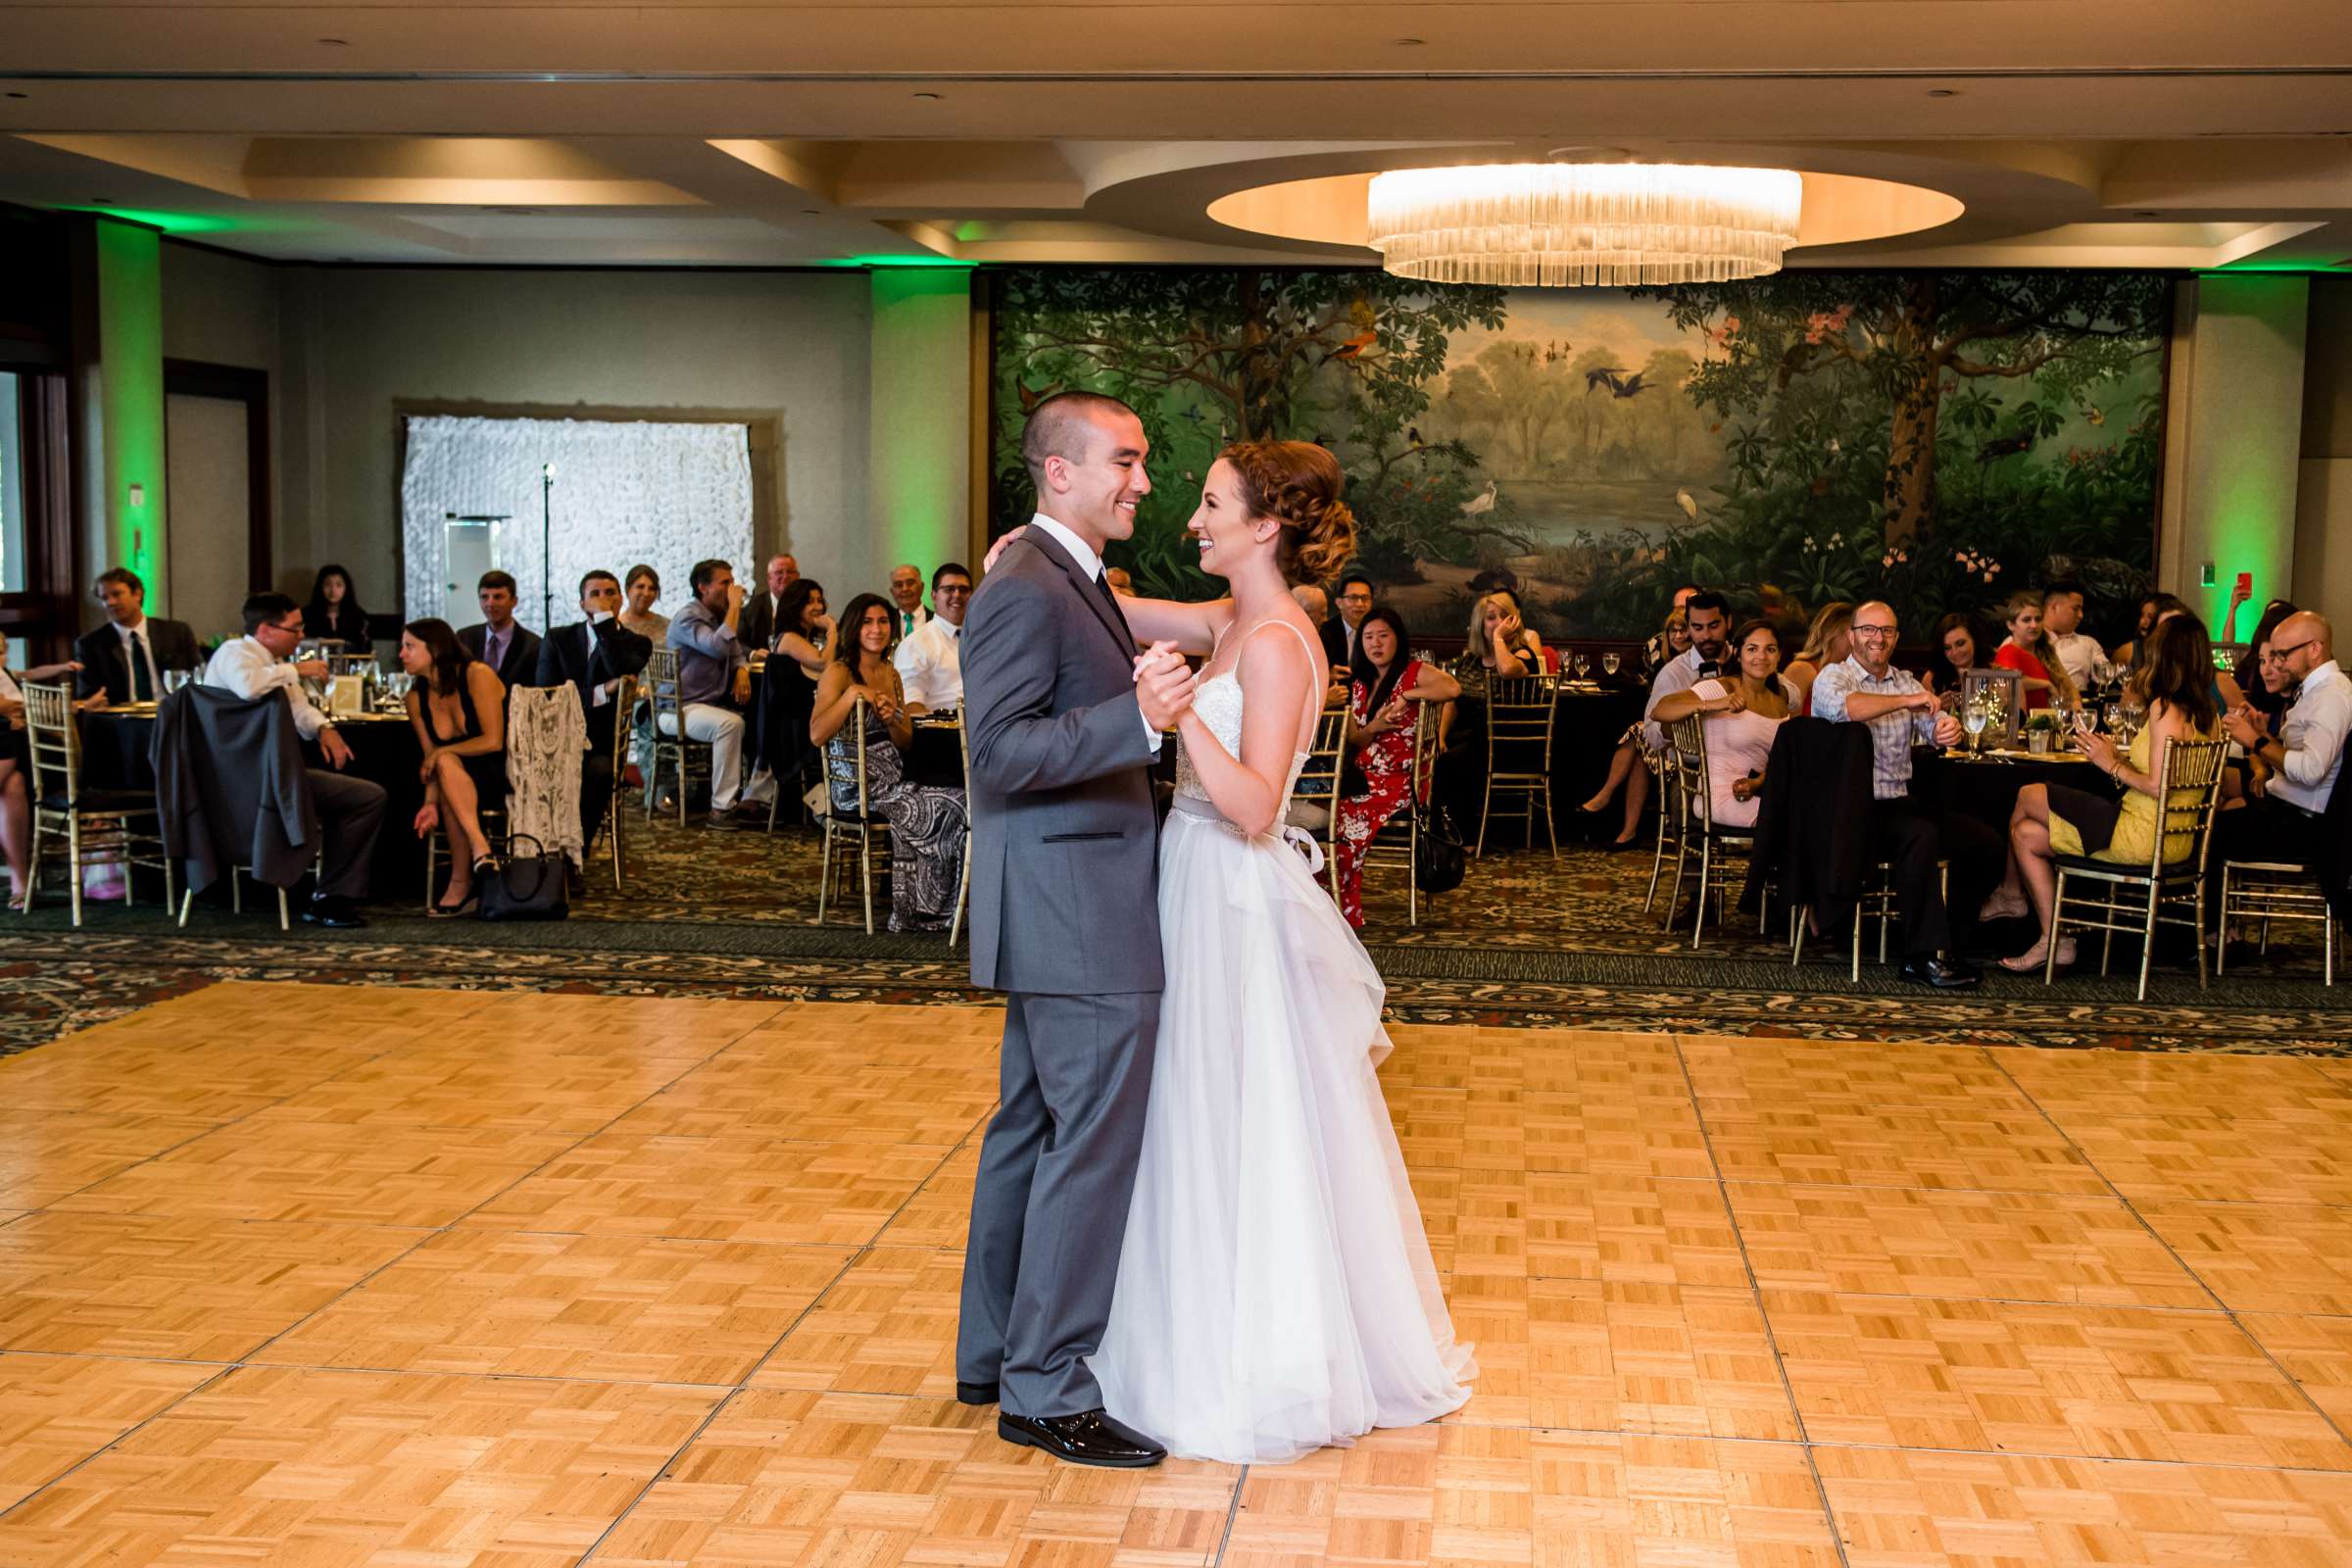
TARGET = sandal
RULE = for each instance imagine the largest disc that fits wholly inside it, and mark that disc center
(450, 911)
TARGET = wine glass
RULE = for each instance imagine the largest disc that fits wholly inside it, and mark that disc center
(1584, 664)
(1974, 718)
(1609, 663)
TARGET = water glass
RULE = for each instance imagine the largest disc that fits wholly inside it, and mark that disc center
(1609, 663)
(1974, 718)
(177, 679)
(1584, 664)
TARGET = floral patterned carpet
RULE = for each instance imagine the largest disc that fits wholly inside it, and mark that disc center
(1527, 941)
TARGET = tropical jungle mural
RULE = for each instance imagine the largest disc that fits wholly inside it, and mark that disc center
(1934, 439)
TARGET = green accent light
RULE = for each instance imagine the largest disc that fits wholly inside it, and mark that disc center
(168, 222)
(893, 264)
(130, 377)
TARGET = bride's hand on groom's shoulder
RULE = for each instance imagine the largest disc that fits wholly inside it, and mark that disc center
(994, 551)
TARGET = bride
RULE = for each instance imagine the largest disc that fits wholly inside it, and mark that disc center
(1276, 1292)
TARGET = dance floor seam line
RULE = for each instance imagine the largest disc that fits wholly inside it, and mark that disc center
(1755, 1290)
(2141, 1220)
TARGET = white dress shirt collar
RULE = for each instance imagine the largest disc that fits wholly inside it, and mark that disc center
(137, 629)
(1078, 549)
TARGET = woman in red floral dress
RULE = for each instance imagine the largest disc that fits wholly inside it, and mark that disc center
(1383, 687)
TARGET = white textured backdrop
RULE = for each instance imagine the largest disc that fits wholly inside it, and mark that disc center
(626, 492)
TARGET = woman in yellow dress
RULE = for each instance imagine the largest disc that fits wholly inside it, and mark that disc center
(2176, 685)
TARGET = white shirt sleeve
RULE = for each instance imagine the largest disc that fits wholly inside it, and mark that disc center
(244, 668)
(2318, 739)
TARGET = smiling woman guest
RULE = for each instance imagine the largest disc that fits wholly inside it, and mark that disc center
(458, 708)
(1386, 698)
(1959, 649)
(1744, 710)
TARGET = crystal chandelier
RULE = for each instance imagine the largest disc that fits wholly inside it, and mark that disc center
(1564, 224)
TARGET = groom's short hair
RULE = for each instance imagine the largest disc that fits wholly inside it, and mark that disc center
(1057, 427)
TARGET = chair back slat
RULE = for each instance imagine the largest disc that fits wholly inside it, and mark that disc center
(55, 744)
(1687, 740)
(661, 688)
(2189, 792)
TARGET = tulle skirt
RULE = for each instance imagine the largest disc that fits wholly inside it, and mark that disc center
(1275, 1293)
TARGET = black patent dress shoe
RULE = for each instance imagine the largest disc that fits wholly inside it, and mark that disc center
(1942, 973)
(1088, 1438)
(976, 1393)
(339, 912)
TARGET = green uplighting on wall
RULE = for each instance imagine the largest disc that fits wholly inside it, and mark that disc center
(893, 264)
(167, 223)
(131, 378)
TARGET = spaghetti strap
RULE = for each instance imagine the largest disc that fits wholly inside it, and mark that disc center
(1314, 693)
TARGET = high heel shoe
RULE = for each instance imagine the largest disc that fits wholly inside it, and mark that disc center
(450, 911)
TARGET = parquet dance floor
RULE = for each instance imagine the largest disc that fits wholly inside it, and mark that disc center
(329, 1276)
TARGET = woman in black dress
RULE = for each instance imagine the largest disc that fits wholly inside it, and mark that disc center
(333, 615)
(788, 689)
(458, 708)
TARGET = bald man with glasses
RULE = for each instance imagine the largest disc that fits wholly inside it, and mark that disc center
(2305, 758)
(1866, 688)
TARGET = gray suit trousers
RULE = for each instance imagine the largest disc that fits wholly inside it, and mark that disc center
(1050, 1210)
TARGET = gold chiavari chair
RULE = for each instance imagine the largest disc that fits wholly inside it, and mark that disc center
(64, 813)
(871, 832)
(2188, 791)
(1519, 716)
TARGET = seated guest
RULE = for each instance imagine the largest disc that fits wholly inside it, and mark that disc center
(1120, 582)
(1959, 649)
(713, 682)
(928, 659)
(333, 615)
(1338, 635)
(594, 656)
(509, 647)
(927, 822)
(1709, 615)
(458, 708)
(15, 769)
(126, 657)
(2061, 624)
(1828, 641)
(2303, 759)
(2282, 688)
(349, 809)
(2255, 687)
(1384, 712)
(759, 625)
(2152, 608)
(1661, 646)
(1866, 688)
(638, 590)
(2054, 820)
(1317, 605)
(796, 664)
(1534, 639)
(1498, 648)
(907, 599)
(2027, 651)
(1744, 710)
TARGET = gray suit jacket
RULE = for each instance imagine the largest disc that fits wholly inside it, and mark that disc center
(1065, 840)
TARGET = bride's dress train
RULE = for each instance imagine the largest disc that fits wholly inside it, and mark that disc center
(1276, 1292)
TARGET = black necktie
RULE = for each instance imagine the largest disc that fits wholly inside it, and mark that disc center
(139, 689)
(1110, 597)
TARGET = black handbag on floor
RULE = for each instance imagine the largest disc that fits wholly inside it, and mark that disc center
(525, 887)
(1441, 862)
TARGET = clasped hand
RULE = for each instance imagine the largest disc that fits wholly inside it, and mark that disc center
(1163, 684)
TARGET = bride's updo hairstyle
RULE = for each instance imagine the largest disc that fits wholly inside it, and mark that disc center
(1297, 484)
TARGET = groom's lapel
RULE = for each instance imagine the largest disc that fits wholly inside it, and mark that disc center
(1120, 637)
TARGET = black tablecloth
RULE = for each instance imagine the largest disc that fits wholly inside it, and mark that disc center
(1585, 728)
(114, 750)
(1987, 789)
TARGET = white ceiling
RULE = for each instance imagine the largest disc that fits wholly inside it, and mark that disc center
(2077, 133)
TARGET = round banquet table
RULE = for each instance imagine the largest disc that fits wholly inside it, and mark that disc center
(116, 743)
(1584, 726)
(1985, 788)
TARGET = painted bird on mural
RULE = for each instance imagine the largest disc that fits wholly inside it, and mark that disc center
(1482, 502)
(1683, 499)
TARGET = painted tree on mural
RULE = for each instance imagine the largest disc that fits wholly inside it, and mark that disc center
(1908, 341)
(1208, 357)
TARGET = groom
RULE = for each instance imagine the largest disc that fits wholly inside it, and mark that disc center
(1063, 732)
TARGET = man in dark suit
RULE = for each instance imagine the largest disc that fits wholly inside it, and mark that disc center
(757, 629)
(126, 655)
(1338, 633)
(592, 656)
(1064, 856)
(501, 641)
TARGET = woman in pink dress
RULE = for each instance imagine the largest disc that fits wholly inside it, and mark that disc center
(1744, 711)
(1384, 691)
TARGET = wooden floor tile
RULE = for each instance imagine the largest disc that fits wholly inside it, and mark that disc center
(940, 1213)
(1629, 1229)
(205, 1290)
(2316, 1352)
(1985, 1246)
(56, 1411)
(1911, 1510)
(586, 1018)
(1603, 1358)
(736, 1189)
(215, 1080)
(2150, 1082)
(637, 1309)
(2072, 1380)
(824, 1479)
(1480, 1495)
(2276, 1257)
(47, 1155)
(284, 1170)
(816, 1096)
(886, 1325)
(1932, 1116)
(517, 1092)
(2207, 1155)
(339, 1469)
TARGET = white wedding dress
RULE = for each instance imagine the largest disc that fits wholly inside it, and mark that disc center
(1275, 1293)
